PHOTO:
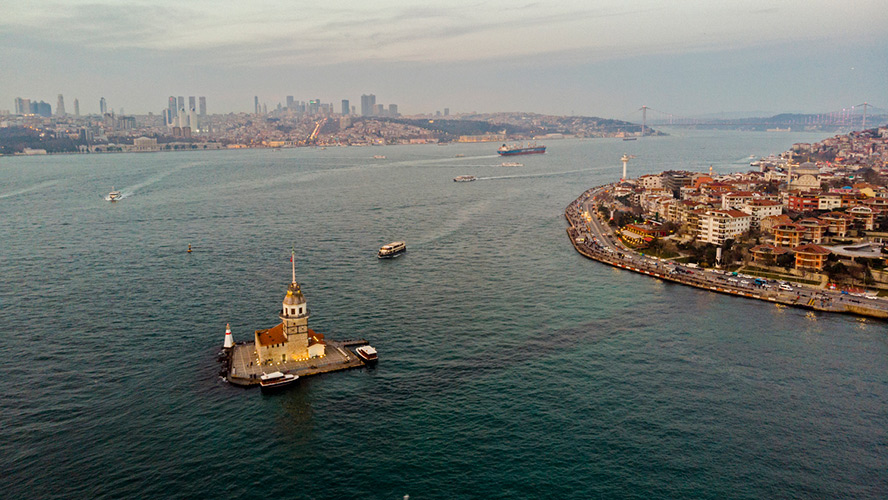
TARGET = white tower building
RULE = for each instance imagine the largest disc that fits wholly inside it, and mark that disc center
(625, 160)
(229, 341)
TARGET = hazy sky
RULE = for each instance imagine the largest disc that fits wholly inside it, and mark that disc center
(586, 57)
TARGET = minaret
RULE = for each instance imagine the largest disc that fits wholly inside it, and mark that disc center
(294, 315)
(625, 160)
(229, 341)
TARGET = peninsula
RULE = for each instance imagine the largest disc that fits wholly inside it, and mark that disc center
(799, 231)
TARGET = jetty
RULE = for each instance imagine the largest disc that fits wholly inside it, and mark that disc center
(591, 238)
(242, 366)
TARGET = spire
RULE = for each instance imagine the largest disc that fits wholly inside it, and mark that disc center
(293, 262)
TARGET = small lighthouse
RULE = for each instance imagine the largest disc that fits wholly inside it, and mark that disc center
(229, 341)
(625, 160)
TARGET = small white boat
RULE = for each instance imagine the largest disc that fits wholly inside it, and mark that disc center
(367, 353)
(379, 157)
(392, 250)
(512, 164)
(275, 380)
(113, 195)
(465, 178)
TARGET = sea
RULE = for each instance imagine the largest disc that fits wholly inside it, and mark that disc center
(510, 366)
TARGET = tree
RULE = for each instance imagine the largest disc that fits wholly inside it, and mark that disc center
(786, 260)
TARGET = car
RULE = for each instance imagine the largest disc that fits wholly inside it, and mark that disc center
(744, 282)
(784, 286)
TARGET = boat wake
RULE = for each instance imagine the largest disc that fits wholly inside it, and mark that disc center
(544, 174)
(448, 226)
(127, 192)
(29, 189)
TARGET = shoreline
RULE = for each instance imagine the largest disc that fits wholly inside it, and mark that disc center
(580, 234)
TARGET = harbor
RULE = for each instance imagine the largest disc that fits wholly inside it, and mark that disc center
(592, 239)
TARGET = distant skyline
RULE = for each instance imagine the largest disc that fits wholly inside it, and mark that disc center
(572, 57)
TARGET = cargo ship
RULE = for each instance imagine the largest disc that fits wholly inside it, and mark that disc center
(516, 149)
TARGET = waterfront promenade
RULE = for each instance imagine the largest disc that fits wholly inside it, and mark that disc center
(243, 368)
(593, 239)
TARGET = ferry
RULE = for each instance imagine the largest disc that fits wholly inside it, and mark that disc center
(367, 353)
(630, 138)
(392, 250)
(113, 195)
(512, 164)
(513, 150)
(276, 380)
(465, 178)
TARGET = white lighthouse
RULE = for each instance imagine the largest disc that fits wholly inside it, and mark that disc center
(229, 341)
(625, 160)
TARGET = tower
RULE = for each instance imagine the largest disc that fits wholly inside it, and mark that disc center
(256, 104)
(345, 107)
(625, 160)
(294, 315)
(202, 102)
(173, 113)
(60, 106)
(229, 341)
(76, 107)
(103, 106)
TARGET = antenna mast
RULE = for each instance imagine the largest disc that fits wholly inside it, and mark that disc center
(293, 262)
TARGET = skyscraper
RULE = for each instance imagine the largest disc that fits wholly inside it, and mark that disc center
(446, 111)
(367, 104)
(393, 110)
(345, 107)
(76, 107)
(60, 106)
(20, 108)
(290, 102)
(203, 105)
(192, 103)
(181, 103)
(256, 104)
(172, 106)
(103, 106)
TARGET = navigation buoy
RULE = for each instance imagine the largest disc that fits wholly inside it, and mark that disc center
(229, 340)
(189, 248)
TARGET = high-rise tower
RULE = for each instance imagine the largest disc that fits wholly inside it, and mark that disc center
(368, 102)
(202, 102)
(76, 107)
(172, 107)
(345, 107)
(256, 104)
(60, 106)
(192, 103)
(103, 106)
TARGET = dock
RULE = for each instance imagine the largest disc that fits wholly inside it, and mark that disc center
(243, 368)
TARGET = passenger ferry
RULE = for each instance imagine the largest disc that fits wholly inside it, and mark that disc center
(276, 380)
(367, 353)
(113, 195)
(392, 250)
(465, 178)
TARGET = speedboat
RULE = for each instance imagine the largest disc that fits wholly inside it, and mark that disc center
(113, 195)
(465, 178)
(276, 380)
(367, 353)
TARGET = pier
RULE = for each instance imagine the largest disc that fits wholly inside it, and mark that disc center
(592, 240)
(244, 369)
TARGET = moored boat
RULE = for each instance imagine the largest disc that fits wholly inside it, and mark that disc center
(392, 250)
(276, 380)
(465, 178)
(516, 149)
(367, 353)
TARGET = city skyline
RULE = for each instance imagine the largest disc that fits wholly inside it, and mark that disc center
(572, 58)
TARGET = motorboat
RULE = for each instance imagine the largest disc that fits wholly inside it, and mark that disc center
(276, 380)
(113, 195)
(367, 353)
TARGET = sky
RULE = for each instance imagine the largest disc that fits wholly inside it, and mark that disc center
(569, 57)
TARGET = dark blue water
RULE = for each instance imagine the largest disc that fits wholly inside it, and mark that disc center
(510, 366)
